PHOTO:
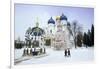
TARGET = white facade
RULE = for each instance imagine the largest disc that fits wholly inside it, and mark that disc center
(60, 36)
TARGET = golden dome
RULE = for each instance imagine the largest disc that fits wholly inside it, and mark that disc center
(57, 17)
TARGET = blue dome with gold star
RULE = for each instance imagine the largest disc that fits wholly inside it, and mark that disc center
(36, 31)
(63, 17)
(51, 21)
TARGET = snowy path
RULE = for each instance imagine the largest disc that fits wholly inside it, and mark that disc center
(77, 55)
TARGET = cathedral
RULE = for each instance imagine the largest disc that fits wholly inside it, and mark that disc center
(57, 34)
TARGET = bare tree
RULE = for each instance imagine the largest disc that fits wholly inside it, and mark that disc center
(75, 29)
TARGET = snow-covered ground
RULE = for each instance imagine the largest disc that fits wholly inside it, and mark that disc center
(53, 56)
(18, 53)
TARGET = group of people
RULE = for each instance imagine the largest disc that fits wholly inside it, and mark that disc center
(34, 51)
(67, 53)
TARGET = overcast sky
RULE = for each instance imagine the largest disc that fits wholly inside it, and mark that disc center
(26, 16)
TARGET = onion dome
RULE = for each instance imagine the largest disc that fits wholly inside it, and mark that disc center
(36, 31)
(51, 21)
(57, 17)
(63, 17)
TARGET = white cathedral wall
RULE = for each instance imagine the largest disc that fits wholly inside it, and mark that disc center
(51, 27)
(64, 23)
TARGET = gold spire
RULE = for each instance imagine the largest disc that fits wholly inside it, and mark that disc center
(37, 23)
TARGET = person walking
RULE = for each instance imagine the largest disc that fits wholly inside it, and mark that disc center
(69, 52)
(65, 52)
